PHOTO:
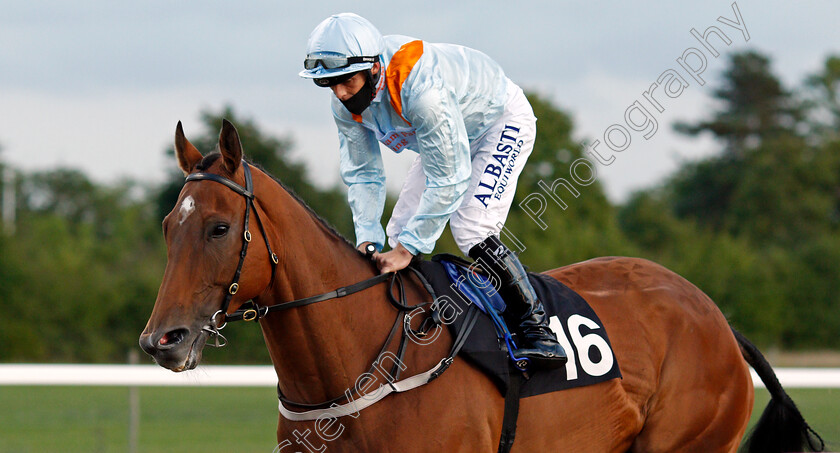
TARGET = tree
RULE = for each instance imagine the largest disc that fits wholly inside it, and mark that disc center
(826, 97)
(65, 192)
(784, 194)
(754, 106)
(755, 226)
(763, 184)
(80, 265)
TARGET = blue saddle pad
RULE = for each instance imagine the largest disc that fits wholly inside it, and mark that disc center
(578, 328)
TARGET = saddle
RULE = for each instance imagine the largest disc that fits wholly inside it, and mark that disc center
(459, 285)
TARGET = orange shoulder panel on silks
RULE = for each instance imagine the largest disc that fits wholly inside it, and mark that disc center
(398, 70)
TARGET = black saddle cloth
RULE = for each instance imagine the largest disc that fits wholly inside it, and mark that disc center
(578, 328)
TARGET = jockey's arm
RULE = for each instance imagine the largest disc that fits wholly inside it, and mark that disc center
(362, 171)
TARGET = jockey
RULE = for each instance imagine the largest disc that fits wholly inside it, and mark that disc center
(472, 129)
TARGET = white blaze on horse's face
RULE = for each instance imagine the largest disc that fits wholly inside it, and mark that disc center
(187, 208)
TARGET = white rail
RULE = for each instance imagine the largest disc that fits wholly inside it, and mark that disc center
(264, 376)
(136, 375)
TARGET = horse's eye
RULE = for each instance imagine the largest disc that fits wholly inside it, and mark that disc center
(220, 230)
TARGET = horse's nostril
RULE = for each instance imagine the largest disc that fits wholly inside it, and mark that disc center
(172, 338)
(146, 344)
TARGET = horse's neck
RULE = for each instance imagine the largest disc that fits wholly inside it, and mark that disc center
(331, 342)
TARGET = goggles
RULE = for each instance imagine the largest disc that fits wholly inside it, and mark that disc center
(334, 61)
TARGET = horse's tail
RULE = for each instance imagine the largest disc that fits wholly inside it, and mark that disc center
(781, 427)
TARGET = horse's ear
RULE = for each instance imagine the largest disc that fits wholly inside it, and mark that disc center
(230, 146)
(186, 153)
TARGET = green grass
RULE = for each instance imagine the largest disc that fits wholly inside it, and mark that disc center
(95, 419)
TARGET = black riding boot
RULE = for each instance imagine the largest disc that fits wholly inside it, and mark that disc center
(523, 307)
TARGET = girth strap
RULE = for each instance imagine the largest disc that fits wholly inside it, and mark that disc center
(511, 411)
(402, 319)
(367, 400)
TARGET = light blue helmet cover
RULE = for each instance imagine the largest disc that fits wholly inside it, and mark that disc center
(345, 34)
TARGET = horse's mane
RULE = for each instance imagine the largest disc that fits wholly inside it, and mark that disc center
(211, 158)
(326, 224)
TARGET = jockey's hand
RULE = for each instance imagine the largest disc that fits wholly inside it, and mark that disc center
(363, 247)
(393, 260)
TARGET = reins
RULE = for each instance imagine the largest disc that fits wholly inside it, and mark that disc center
(255, 312)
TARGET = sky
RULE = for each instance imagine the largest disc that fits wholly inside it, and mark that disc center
(100, 85)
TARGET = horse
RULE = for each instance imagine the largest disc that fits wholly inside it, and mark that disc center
(685, 382)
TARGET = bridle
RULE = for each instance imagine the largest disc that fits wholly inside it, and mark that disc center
(255, 312)
(213, 326)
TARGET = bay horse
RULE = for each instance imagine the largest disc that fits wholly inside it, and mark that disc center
(686, 385)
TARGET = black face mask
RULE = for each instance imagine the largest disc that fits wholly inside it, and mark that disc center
(357, 103)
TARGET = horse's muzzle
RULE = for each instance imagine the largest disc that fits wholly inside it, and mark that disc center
(177, 349)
